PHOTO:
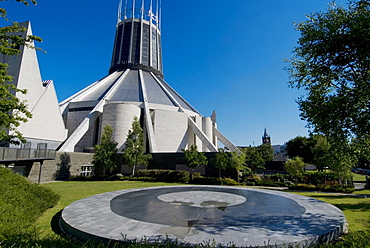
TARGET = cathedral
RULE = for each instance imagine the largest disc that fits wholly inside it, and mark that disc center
(134, 87)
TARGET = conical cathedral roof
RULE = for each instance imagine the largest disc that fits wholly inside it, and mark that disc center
(128, 88)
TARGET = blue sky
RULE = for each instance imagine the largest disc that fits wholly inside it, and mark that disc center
(226, 56)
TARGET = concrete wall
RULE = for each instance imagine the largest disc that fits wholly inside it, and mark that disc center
(50, 167)
(170, 129)
(74, 119)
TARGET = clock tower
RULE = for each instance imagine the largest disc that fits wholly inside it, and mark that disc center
(266, 139)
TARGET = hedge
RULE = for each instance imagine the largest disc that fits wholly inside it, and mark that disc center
(21, 203)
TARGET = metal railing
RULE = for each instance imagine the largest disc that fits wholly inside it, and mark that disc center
(16, 154)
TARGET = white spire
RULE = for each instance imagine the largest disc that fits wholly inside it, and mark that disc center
(125, 12)
(119, 19)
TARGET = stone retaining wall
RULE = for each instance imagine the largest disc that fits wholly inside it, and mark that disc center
(50, 167)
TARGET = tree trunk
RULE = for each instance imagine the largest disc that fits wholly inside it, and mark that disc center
(219, 174)
(133, 170)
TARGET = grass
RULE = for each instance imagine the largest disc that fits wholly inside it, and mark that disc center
(21, 204)
(356, 209)
(73, 191)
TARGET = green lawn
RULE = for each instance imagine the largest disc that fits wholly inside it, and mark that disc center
(356, 209)
(73, 191)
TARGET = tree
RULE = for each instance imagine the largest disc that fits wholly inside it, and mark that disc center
(321, 152)
(13, 110)
(194, 158)
(237, 162)
(256, 157)
(332, 63)
(315, 149)
(253, 159)
(63, 167)
(266, 151)
(300, 147)
(105, 157)
(134, 152)
(221, 160)
(295, 166)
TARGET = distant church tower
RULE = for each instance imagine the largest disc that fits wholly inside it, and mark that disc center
(266, 139)
(135, 87)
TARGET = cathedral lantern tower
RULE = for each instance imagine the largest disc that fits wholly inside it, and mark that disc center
(138, 37)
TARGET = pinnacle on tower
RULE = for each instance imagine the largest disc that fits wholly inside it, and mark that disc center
(266, 139)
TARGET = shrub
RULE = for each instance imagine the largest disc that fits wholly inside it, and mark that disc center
(270, 183)
(21, 203)
(213, 181)
(81, 178)
(229, 181)
(250, 184)
(116, 177)
(164, 175)
(146, 179)
(206, 181)
(305, 187)
(338, 189)
(196, 174)
(251, 180)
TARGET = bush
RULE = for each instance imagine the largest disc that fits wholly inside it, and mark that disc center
(327, 188)
(229, 181)
(116, 177)
(250, 184)
(81, 178)
(251, 180)
(338, 189)
(169, 176)
(196, 174)
(206, 181)
(213, 181)
(302, 186)
(270, 183)
(146, 179)
(21, 203)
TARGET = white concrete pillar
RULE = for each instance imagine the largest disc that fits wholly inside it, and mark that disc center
(208, 130)
(120, 116)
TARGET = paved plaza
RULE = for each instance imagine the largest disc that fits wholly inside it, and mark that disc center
(204, 214)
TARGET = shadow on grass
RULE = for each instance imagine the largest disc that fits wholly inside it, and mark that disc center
(355, 207)
(362, 192)
(54, 223)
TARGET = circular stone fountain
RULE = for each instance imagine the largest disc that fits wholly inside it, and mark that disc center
(204, 214)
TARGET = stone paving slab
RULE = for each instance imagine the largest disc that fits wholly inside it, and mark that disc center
(199, 214)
